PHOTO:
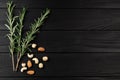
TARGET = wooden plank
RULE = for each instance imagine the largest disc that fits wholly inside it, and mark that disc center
(72, 19)
(64, 64)
(72, 41)
(62, 4)
(63, 78)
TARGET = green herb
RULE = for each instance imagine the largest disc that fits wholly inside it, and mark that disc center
(19, 36)
(18, 43)
(11, 27)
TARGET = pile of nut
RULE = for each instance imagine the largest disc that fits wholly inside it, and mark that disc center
(26, 66)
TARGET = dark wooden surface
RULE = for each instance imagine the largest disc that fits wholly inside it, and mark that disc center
(81, 37)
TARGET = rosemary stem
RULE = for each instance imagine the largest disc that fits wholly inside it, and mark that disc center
(13, 63)
(17, 64)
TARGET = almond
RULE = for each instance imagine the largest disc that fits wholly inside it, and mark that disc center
(29, 64)
(31, 72)
(41, 49)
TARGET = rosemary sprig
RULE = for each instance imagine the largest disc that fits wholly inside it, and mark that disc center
(11, 27)
(25, 43)
(19, 35)
(15, 25)
(19, 28)
(33, 29)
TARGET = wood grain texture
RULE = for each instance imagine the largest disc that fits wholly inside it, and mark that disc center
(65, 4)
(63, 64)
(64, 78)
(72, 41)
(72, 19)
(81, 37)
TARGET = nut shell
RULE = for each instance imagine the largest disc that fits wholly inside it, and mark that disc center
(29, 64)
(31, 72)
(41, 49)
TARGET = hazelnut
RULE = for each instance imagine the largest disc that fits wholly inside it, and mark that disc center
(41, 49)
(45, 58)
(23, 64)
(34, 45)
(40, 65)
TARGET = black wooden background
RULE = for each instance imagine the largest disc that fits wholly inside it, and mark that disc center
(81, 37)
